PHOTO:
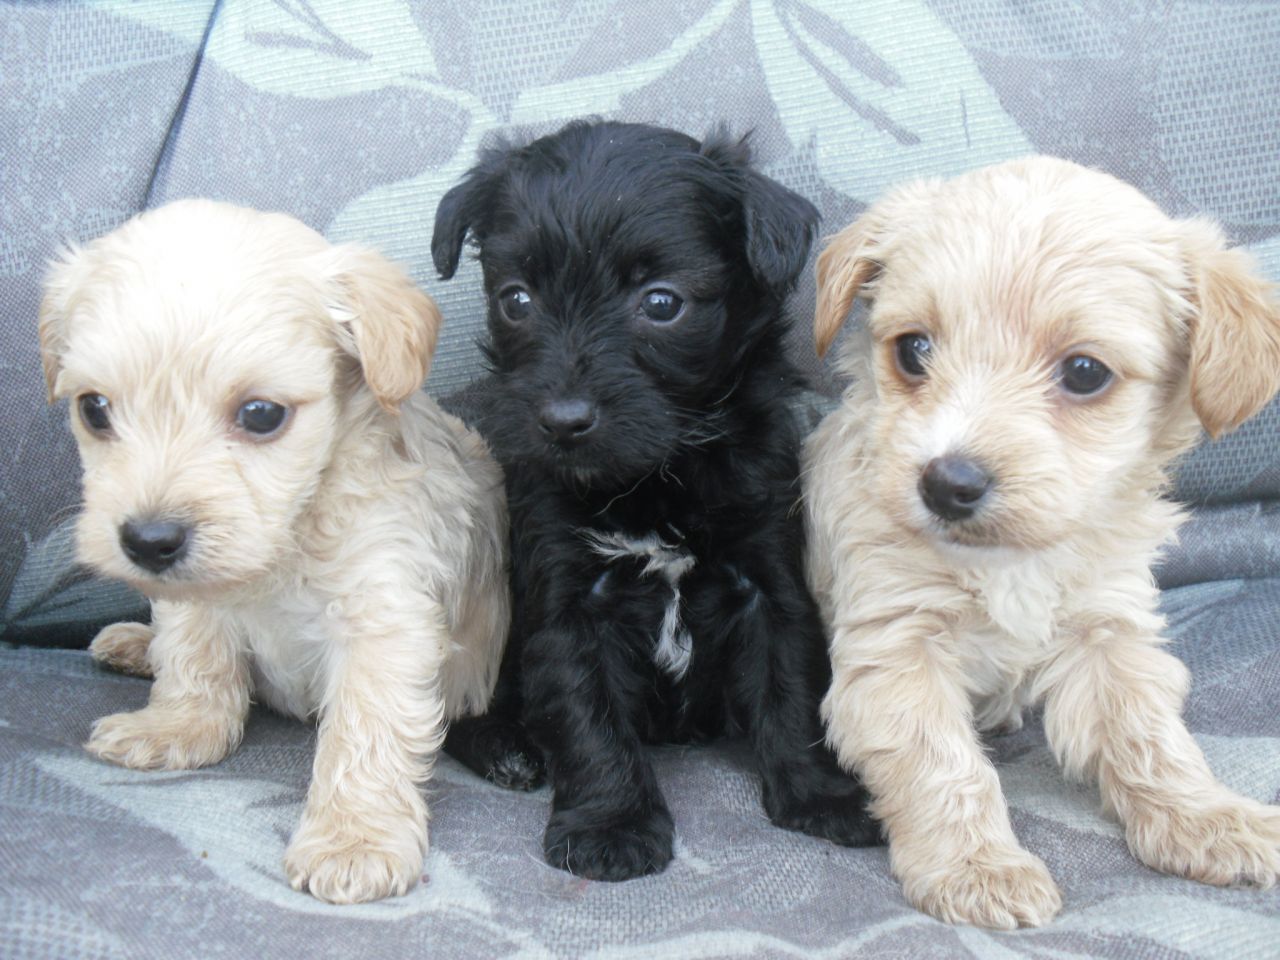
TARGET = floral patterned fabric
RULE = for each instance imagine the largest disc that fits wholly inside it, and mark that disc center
(356, 115)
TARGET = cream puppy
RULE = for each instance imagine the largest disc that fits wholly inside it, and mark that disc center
(312, 530)
(985, 505)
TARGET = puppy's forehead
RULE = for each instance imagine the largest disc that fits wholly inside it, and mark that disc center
(1057, 257)
(220, 304)
(609, 207)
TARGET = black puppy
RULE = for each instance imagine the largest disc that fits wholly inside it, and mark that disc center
(636, 281)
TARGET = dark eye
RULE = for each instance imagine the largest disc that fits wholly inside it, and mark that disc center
(261, 417)
(913, 351)
(95, 412)
(515, 303)
(1083, 375)
(661, 306)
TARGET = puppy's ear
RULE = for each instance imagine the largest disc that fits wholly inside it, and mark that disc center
(846, 264)
(853, 258)
(1234, 331)
(384, 321)
(779, 224)
(65, 277)
(463, 207)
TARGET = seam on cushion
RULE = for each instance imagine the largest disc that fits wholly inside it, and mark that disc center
(175, 122)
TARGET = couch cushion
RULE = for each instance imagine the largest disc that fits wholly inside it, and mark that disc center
(106, 862)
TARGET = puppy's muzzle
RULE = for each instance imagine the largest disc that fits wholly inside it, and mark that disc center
(567, 422)
(953, 488)
(154, 545)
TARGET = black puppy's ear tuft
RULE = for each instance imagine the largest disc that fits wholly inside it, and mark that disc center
(779, 224)
(463, 207)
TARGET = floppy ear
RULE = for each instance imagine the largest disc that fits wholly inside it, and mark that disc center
(1234, 331)
(846, 264)
(463, 207)
(854, 256)
(65, 277)
(779, 224)
(385, 322)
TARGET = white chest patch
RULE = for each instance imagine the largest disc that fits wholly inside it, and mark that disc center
(1010, 635)
(671, 563)
(290, 639)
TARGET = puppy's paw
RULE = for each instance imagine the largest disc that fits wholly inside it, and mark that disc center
(1233, 840)
(350, 869)
(498, 749)
(998, 887)
(618, 848)
(123, 647)
(160, 738)
(838, 814)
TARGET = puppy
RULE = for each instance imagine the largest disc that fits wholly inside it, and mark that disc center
(311, 529)
(985, 505)
(636, 281)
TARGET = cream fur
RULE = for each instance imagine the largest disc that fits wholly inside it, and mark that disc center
(1046, 595)
(349, 569)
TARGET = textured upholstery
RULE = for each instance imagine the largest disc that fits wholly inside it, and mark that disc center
(355, 117)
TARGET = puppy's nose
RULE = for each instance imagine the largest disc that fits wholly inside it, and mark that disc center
(567, 421)
(953, 487)
(154, 545)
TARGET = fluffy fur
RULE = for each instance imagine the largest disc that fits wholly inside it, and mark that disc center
(347, 567)
(1044, 594)
(656, 549)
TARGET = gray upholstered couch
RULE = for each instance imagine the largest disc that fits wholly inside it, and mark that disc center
(355, 116)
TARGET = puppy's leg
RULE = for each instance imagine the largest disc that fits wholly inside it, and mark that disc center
(198, 703)
(781, 673)
(1112, 711)
(363, 832)
(898, 714)
(608, 818)
(123, 647)
(495, 745)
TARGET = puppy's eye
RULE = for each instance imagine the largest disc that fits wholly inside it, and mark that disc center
(1083, 375)
(661, 305)
(515, 303)
(261, 417)
(95, 413)
(912, 351)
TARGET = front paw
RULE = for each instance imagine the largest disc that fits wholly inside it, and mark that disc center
(123, 647)
(338, 864)
(1230, 840)
(498, 749)
(619, 847)
(163, 738)
(834, 808)
(998, 887)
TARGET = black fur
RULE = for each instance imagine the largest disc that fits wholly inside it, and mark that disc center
(693, 442)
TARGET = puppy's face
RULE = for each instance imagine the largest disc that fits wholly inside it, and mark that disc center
(1040, 337)
(209, 355)
(628, 271)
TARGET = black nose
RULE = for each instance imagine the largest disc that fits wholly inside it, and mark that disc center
(154, 545)
(567, 421)
(953, 487)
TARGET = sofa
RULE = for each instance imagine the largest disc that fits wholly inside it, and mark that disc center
(355, 116)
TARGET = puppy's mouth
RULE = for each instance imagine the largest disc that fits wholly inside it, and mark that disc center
(971, 533)
(178, 564)
(990, 531)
